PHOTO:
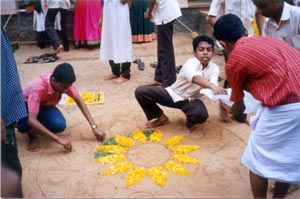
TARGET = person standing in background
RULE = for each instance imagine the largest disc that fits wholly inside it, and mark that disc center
(55, 6)
(86, 32)
(282, 22)
(116, 42)
(39, 16)
(142, 29)
(163, 13)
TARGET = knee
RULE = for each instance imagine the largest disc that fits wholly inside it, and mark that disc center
(57, 125)
(139, 92)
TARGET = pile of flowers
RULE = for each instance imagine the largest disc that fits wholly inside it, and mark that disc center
(113, 150)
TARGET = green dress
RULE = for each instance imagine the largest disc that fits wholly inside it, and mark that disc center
(142, 29)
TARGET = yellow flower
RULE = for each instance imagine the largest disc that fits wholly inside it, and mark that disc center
(111, 159)
(119, 168)
(139, 136)
(158, 175)
(135, 176)
(184, 148)
(176, 168)
(124, 141)
(156, 136)
(182, 158)
(111, 148)
(173, 140)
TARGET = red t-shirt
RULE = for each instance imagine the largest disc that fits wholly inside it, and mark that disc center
(267, 68)
(39, 92)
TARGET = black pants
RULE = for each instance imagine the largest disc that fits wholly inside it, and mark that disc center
(51, 32)
(120, 69)
(10, 157)
(165, 72)
(150, 96)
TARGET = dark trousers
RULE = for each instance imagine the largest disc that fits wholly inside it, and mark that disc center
(150, 96)
(10, 158)
(120, 69)
(50, 116)
(165, 72)
(51, 32)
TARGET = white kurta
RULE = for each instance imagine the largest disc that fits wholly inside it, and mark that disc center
(116, 41)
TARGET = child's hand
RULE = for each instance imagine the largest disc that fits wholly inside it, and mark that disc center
(123, 2)
(66, 144)
(218, 90)
(147, 15)
(99, 134)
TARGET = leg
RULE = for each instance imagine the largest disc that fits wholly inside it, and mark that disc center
(33, 144)
(125, 72)
(64, 28)
(10, 183)
(52, 118)
(196, 113)
(166, 70)
(259, 186)
(50, 30)
(280, 189)
(149, 97)
(115, 69)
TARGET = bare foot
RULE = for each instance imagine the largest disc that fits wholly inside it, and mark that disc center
(58, 49)
(192, 128)
(33, 142)
(109, 77)
(121, 80)
(162, 120)
(153, 83)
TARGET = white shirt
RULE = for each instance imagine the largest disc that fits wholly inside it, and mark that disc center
(244, 9)
(165, 11)
(288, 28)
(183, 88)
(65, 4)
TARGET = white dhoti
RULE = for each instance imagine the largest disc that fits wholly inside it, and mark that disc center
(273, 149)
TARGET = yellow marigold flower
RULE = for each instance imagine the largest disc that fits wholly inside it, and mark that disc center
(182, 158)
(111, 159)
(135, 176)
(184, 148)
(173, 140)
(158, 175)
(119, 168)
(111, 148)
(139, 136)
(124, 141)
(176, 168)
(156, 136)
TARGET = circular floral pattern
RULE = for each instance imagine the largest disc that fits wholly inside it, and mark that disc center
(139, 154)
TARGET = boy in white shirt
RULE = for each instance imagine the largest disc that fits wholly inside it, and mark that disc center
(197, 73)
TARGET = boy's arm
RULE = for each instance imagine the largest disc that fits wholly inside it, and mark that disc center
(99, 134)
(34, 123)
(204, 83)
(148, 13)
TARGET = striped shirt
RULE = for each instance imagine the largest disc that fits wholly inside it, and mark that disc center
(267, 68)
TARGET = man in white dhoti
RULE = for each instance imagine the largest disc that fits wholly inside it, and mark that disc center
(268, 69)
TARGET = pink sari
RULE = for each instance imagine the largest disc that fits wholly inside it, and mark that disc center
(86, 31)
